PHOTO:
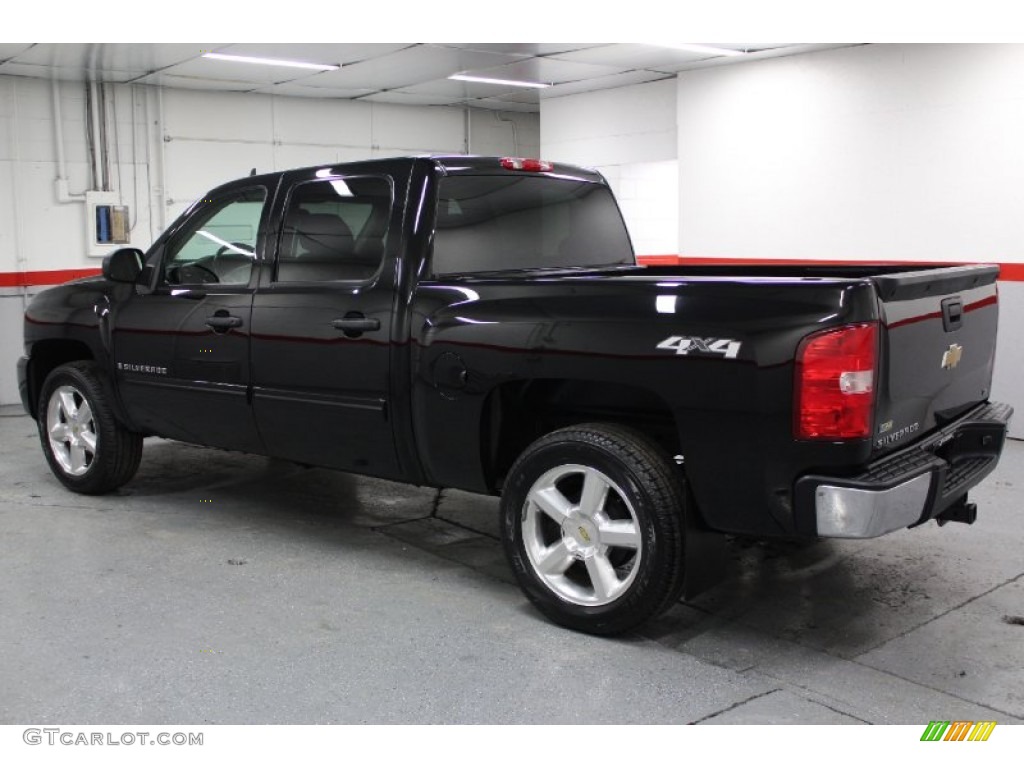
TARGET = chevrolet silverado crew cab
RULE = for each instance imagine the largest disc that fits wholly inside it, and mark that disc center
(481, 323)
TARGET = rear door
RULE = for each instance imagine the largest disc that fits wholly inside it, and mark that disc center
(322, 323)
(938, 348)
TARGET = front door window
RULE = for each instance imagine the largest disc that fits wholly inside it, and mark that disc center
(218, 245)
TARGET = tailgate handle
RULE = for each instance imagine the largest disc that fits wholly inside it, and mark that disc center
(952, 313)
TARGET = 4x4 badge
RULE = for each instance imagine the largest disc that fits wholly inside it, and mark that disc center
(683, 345)
(951, 357)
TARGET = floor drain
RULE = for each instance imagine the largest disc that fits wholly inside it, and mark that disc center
(1018, 620)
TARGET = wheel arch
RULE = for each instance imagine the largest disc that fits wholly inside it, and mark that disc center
(47, 355)
(515, 413)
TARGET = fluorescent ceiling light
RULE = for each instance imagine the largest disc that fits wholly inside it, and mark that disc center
(271, 62)
(225, 244)
(695, 48)
(341, 188)
(496, 81)
(666, 305)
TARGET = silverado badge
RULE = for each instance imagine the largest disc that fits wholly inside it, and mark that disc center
(951, 357)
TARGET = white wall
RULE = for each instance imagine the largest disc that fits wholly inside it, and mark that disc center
(38, 232)
(630, 135)
(620, 125)
(213, 137)
(648, 195)
(877, 152)
(210, 138)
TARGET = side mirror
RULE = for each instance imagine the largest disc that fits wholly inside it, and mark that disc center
(123, 265)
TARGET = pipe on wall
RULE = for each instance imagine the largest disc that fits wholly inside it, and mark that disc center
(135, 161)
(20, 256)
(163, 139)
(515, 132)
(104, 136)
(94, 122)
(61, 182)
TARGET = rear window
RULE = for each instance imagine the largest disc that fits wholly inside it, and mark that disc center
(489, 223)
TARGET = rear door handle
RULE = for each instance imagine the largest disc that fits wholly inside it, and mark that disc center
(223, 322)
(356, 324)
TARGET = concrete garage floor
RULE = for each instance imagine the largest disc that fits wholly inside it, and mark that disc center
(224, 588)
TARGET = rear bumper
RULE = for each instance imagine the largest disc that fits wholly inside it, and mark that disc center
(909, 487)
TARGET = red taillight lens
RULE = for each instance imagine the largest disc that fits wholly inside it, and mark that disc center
(525, 164)
(835, 383)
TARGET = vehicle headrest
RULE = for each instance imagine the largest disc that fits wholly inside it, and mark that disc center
(322, 234)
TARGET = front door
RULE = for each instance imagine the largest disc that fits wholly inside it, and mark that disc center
(181, 349)
(321, 335)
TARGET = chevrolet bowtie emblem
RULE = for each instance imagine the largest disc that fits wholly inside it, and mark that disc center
(951, 357)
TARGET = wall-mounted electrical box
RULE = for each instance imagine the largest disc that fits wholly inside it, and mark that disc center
(106, 222)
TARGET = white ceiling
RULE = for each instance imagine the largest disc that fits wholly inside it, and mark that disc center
(396, 73)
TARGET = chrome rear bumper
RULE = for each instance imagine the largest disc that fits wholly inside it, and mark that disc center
(909, 487)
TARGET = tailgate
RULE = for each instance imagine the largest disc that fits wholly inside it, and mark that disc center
(937, 351)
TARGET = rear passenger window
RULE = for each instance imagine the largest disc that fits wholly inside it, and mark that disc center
(334, 229)
(489, 223)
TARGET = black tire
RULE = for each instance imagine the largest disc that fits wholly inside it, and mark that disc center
(116, 452)
(637, 527)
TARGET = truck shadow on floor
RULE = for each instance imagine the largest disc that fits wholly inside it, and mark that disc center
(822, 594)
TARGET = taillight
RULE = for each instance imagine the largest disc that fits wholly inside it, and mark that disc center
(835, 383)
(525, 164)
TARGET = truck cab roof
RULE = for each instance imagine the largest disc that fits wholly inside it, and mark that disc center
(446, 164)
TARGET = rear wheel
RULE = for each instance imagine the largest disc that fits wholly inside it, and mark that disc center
(86, 447)
(592, 523)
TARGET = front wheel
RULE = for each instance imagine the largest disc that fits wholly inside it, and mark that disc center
(85, 445)
(593, 526)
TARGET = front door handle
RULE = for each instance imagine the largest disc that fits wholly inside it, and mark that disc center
(221, 323)
(354, 324)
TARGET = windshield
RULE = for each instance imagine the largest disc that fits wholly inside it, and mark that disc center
(492, 223)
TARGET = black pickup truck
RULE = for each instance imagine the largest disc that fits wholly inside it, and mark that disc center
(481, 323)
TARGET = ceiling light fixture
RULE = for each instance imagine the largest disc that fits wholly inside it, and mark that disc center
(270, 62)
(697, 48)
(496, 81)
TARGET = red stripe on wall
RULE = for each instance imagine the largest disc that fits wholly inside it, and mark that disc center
(1007, 271)
(45, 277)
(1011, 272)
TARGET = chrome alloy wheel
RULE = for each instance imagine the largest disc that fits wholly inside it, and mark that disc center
(71, 430)
(581, 535)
